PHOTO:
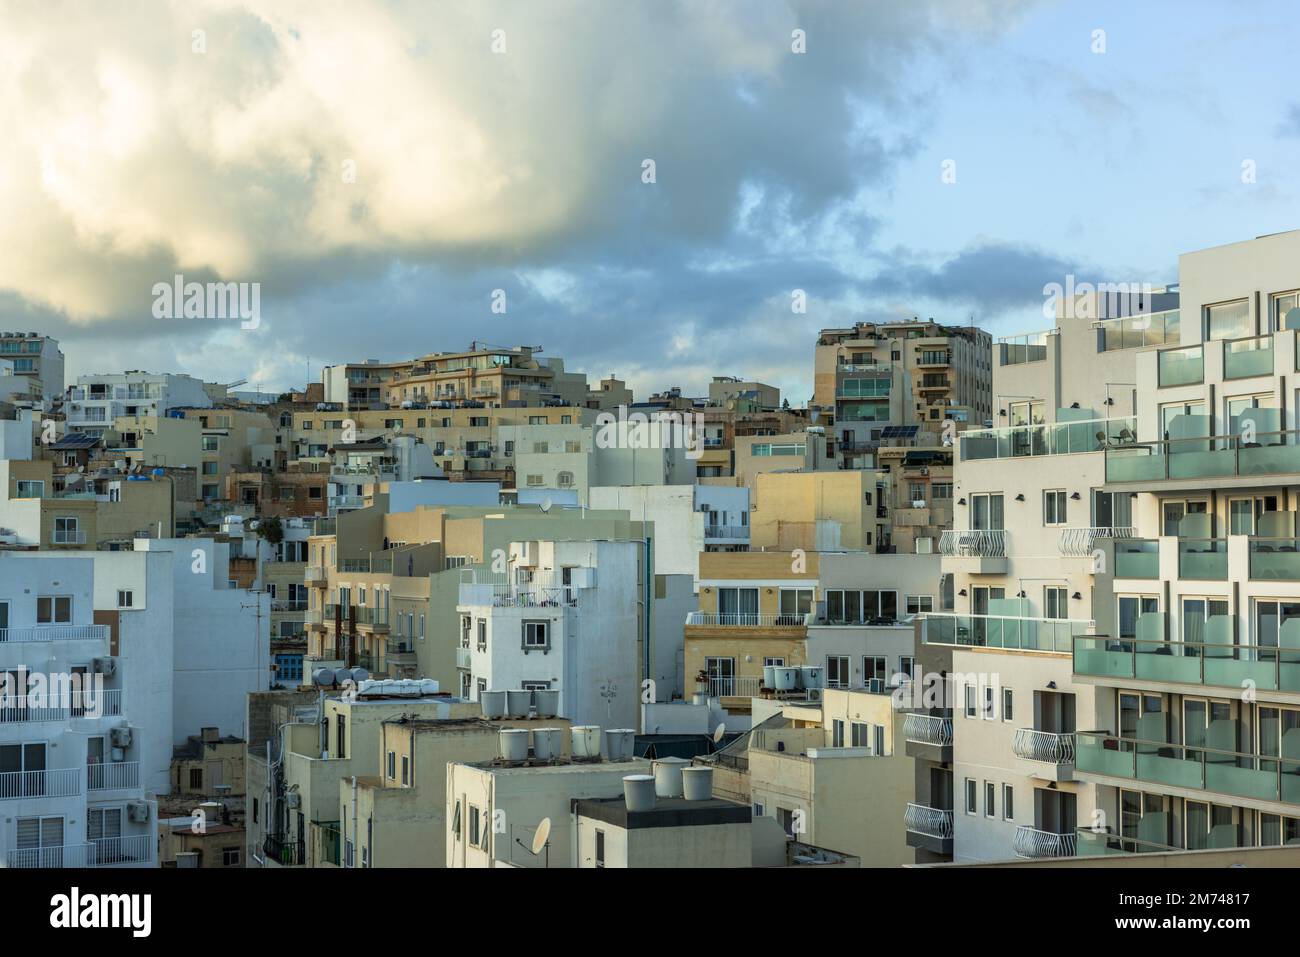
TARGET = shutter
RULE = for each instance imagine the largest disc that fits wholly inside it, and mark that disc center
(29, 832)
(52, 832)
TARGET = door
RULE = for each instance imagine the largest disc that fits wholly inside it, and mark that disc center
(104, 830)
(41, 840)
(22, 770)
(721, 673)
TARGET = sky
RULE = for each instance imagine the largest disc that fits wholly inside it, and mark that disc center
(402, 178)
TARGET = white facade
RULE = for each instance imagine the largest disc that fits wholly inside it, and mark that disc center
(96, 400)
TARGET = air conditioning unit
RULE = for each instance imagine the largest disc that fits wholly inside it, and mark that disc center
(103, 666)
(121, 737)
(918, 503)
(876, 685)
(814, 694)
(138, 811)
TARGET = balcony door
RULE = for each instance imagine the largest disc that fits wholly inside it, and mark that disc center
(22, 769)
(1055, 811)
(40, 841)
(738, 606)
(980, 597)
(986, 512)
(104, 830)
(721, 673)
(1208, 825)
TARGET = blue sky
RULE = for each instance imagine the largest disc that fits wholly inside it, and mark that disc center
(138, 157)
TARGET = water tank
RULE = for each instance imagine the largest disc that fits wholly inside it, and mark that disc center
(585, 741)
(639, 792)
(357, 674)
(699, 697)
(323, 677)
(668, 777)
(697, 783)
(547, 702)
(369, 687)
(514, 744)
(428, 686)
(769, 676)
(548, 743)
(785, 679)
(494, 703)
(519, 703)
(619, 743)
(812, 676)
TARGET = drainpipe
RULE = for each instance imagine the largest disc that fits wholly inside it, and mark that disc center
(356, 838)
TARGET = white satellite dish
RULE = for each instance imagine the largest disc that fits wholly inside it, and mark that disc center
(543, 832)
(718, 732)
(546, 505)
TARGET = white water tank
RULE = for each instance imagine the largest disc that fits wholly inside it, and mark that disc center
(547, 702)
(619, 744)
(585, 741)
(668, 777)
(812, 676)
(769, 676)
(428, 686)
(699, 698)
(519, 703)
(697, 783)
(514, 744)
(548, 743)
(494, 703)
(785, 679)
(639, 792)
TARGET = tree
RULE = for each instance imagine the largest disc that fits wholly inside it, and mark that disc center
(271, 530)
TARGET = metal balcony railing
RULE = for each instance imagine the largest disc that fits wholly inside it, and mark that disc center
(285, 853)
(69, 537)
(1082, 542)
(113, 775)
(731, 686)
(1033, 843)
(133, 849)
(974, 543)
(726, 531)
(56, 706)
(1043, 746)
(930, 821)
(66, 855)
(63, 782)
(54, 633)
(928, 729)
(746, 620)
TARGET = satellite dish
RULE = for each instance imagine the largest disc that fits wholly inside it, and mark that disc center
(546, 505)
(543, 832)
(718, 732)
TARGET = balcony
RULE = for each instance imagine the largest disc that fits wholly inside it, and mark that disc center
(62, 536)
(68, 855)
(1001, 631)
(1220, 664)
(289, 604)
(745, 620)
(1137, 558)
(54, 633)
(284, 853)
(976, 551)
(1203, 559)
(1275, 559)
(19, 709)
(64, 782)
(1083, 542)
(928, 737)
(1029, 842)
(929, 828)
(1245, 358)
(730, 686)
(463, 659)
(134, 849)
(113, 776)
(1175, 367)
(1190, 462)
(316, 575)
(1051, 755)
(1133, 332)
(1090, 843)
(1258, 777)
(1060, 438)
(726, 531)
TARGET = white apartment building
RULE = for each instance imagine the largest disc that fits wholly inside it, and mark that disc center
(362, 465)
(565, 617)
(37, 357)
(76, 723)
(96, 400)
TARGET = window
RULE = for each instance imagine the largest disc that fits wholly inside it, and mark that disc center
(473, 825)
(254, 810)
(773, 662)
(536, 635)
(210, 443)
(1054, 506)
(482, 634)
(1055, 602)
(837, 671)
(341, 737)
(600, 848)
(941, 490)
(971, 796)
(55, 609)
(796, 604)
(30, 489)
(1008, 802)
(392, 766)
(1282, 305)
(124, 599)
(1228, 320)
(466, 626)
(837, 733)
(874, 672)
(861, 734)
(990, 799)
(989, 703)
(196, 779)
(230, 857)
(907, 666)
(67, 531)
(916, 604)
(970, 701)
(1007, 701)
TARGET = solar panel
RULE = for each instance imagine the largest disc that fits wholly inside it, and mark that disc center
(899, 431)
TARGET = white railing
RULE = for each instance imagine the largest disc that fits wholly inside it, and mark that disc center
(1043, 746)
(54, 633)
(726, 531)
(57, 706)
(315, 573)
(745, 620)
(1031, 842)
(289, 604)
(1080, 542)
(930, 821)
(66, 855)
(113, 775)
(63, 782)
(974, 543)
(134, 849)
(928, 729)
(733, 687)
(66, 537)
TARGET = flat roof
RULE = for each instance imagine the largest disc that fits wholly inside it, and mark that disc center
(667, 812)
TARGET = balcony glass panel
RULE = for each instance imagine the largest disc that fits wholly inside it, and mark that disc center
(1275, 452)
(1104, 657)
(1275, 559)
(1166, 765)
(1248, 357)
(1092, 754)
(1181, 366)
(1203, 559)
(1167, 661)
(1137, 558)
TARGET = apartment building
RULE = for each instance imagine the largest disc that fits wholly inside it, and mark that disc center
(78, 721)
(726, 389)
(872, 379)
(96, 401)
(35, 357)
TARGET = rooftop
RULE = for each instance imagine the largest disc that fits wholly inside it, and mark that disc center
(667, 812)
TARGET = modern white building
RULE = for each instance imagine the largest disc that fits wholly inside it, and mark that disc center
(96, 400)
(37, 357)
(77, 722)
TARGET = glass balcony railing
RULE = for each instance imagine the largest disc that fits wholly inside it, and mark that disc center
(1014, 350)
(1275, 559)
(1210, 663)
(1203, 559)
(1261, 777)
(1105, 843)
(1220, 456)
(1132, 332)
(1059, 438)
(1243, 358)
(1180, 366)
(1137, 558)
(998, 631)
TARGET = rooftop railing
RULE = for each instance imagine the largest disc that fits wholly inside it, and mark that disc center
(1058, 438)
(1132, 332)
(1197, 458)
(1001, 631)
